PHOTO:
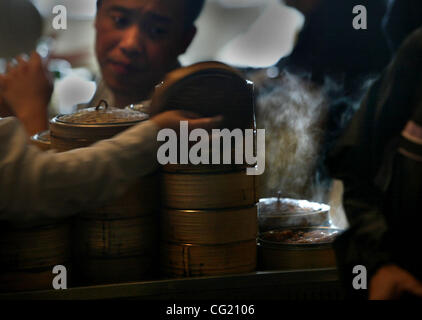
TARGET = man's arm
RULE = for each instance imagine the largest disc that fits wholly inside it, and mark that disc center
(35, 185)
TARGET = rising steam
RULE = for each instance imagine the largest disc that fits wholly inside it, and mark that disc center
(293, 112)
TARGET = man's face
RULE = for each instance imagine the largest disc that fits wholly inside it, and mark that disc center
(138, 42)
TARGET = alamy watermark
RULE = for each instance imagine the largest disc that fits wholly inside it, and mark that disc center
(60, 19)
(175, 147)
(360, 281)
(360, 21)
(60, 281)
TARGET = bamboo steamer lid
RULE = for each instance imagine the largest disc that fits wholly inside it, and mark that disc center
(42, 140)
(185, 260)
(208, 89)
(209, 226)
(208, 191)
(88, 126)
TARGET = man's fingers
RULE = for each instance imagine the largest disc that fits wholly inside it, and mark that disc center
(11, 66)
(414, 287)
(22, 63)
(186, 114)
(35, 59)
(206, 123)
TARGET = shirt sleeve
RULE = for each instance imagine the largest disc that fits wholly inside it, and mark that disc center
(37, 185)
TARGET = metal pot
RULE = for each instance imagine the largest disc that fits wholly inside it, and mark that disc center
(285, 255)
(275, 213)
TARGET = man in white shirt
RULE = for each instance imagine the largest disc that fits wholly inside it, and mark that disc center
(137, 43)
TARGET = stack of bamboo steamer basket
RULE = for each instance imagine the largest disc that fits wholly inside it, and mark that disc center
(209, 214)
(29, 252)
(118, 242)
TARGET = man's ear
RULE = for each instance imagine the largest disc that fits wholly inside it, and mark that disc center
(188, 36)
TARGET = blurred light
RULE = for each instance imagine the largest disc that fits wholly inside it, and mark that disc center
(3, 64)
(73, 90)
(271, 37)
(273, 72)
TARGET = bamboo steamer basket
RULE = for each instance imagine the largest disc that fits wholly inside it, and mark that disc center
(187, 260)
(116, 250)
(209, 223)
(208, 191)
(209, 226)
(207, 168)
(141, 199)
(116, 238)
(88, 126)
(124, 269)
(211, 168)
(29, 254)
(207, 89)
(42, 140)
(277, 213)
(123, 230)
(274, 255)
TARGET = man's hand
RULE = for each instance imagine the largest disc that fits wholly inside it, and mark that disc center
(171, 120)
(4, 108)
(26, 88)
(391, 282)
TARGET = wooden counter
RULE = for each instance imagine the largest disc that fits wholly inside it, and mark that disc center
(317, 284)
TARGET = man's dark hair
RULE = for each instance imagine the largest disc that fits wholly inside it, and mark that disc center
(193, 10)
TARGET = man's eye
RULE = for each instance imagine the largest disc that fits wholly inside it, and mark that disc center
(157, 31)
(120, 21)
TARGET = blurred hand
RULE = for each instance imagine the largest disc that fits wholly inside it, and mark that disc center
(171, 120)
(392, 282)
(4, 108)
(27, 88)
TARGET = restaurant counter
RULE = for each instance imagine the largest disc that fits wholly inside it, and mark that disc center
(315, 284)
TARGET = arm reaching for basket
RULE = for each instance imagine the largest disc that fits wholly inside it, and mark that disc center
(26, 89)
(36, 185)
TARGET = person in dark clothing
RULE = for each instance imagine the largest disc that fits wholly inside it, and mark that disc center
(402, 18)
(328, 45)
(379, 160)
